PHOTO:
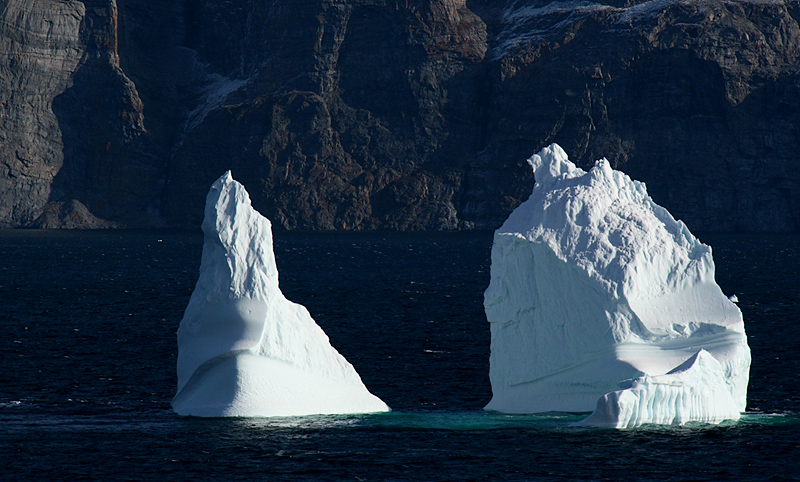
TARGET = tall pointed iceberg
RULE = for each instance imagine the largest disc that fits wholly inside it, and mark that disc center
(595, 288)
(243, 348)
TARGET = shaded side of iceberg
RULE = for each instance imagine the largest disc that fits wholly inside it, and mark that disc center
(243, 348)
(593, 283)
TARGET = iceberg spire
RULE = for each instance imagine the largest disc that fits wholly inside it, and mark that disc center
(243, 348)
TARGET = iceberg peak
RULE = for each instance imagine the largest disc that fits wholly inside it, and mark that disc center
(551, 164)
(701, 357)
(237, 251)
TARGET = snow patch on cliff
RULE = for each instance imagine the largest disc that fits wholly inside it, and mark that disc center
(213, 95)
(526, 24)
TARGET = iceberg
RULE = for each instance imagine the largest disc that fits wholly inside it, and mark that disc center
(244, 349)
(593, 284)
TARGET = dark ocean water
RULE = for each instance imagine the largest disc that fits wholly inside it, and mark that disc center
(88, 354)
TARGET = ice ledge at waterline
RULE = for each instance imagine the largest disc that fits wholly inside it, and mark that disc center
(592, 283)
(695, 391)
(243, 348)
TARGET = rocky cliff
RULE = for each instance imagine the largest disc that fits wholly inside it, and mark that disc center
(394, 114)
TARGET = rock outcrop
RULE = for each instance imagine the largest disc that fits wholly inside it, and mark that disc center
(381, 114)
(69, 215)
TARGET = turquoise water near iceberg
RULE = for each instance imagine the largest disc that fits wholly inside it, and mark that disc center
(87, 368)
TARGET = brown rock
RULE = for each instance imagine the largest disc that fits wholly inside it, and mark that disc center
(69, 215)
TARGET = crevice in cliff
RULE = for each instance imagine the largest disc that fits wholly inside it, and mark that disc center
(102, 124)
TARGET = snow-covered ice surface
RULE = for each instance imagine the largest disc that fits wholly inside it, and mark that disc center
(592, 283)
(243, 348)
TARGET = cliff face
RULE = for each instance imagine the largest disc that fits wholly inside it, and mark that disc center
(336, 115)
(368, 114)
(41, 49)
(698, 99)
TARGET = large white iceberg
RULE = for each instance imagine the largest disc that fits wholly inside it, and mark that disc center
(243, 348)
(593, 284)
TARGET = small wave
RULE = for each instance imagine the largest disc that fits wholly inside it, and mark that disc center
(775, 418)
(466, 421)
(297, 422)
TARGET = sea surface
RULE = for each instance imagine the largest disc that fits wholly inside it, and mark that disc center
(88, 356)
